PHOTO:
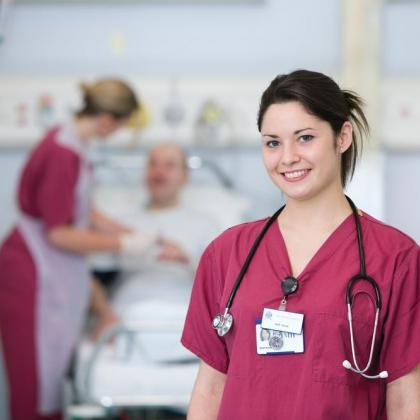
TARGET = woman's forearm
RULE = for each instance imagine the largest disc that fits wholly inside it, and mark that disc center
(203, 407)
(207, 394)
(103, 223)
(81, 241)
(403, 397)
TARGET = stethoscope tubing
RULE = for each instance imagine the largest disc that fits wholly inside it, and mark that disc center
(249, 258)
(372, 344)
(362, 271)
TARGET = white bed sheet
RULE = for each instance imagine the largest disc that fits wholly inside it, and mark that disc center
(148, 367)
(136, 382)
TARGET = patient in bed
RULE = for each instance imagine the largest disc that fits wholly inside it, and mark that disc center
(153, 291)
(158, 278)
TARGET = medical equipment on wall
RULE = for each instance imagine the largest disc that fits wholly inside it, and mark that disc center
(223, 322)
(174, 111)
(213, 124)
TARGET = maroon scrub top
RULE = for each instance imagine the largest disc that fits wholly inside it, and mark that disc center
(312, 385)
(48, 182)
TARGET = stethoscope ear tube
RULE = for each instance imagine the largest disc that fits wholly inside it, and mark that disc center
(250, 256)
(359, 234)
(378, 303)
(359, 277)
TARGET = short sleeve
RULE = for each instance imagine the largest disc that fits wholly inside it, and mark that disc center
(400, 352)
(56, 198)
(199, 336)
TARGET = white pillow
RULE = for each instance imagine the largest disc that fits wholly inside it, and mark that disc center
(225, 206)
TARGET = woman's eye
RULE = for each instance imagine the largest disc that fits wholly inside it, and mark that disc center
(272, 143)
(305, 138)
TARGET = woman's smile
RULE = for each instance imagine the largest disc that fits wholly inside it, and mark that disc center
(296, 175)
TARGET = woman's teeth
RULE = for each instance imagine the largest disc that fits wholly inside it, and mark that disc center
(295, 174)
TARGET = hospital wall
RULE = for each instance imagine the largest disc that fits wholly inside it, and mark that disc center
(206, 49)
(151, 45)
(171, 39)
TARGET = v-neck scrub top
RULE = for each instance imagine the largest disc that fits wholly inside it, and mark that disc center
(312, 385)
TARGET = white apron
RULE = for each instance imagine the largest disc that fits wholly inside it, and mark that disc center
(63, 286)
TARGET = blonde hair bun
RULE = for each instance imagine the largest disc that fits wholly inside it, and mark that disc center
(112, 96)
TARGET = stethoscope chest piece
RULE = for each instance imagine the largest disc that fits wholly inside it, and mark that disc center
(222, 323)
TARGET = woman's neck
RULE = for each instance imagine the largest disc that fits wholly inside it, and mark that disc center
(325, 211)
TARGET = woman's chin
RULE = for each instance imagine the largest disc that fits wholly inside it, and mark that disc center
(298, 194)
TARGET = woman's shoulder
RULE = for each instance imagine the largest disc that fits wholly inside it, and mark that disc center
(239, 235)
(51, 142)
(389, 238)
(48, 164)
(49, 152)
(232, 245)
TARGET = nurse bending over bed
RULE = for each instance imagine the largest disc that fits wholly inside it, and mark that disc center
(272, 344)
(44, 280)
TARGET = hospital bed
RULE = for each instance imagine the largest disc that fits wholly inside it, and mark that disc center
(137, 365)
(140, 363)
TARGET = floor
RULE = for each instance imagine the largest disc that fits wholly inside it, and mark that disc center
(149, 415)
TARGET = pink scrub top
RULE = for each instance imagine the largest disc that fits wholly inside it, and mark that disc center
(312, 385)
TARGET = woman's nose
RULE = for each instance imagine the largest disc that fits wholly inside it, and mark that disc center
(290, 154)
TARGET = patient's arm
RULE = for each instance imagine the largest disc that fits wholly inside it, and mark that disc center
(207, 393)
(171, 251)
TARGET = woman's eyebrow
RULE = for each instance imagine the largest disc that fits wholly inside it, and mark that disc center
(303, 129)
(273, 136)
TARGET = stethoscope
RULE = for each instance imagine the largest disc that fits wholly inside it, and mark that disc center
(223, 322)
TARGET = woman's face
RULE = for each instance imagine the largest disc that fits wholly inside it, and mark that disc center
(300, 151)
(107, 124)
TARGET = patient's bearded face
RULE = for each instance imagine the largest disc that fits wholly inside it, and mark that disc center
(165, 174)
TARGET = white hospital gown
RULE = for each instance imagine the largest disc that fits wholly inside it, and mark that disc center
(146, 278)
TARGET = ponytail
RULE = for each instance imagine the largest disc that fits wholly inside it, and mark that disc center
(361, 130)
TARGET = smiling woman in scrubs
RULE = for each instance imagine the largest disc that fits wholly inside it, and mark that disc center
(44, 279)
(311, 133)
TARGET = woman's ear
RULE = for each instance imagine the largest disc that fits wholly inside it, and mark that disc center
(345, 138)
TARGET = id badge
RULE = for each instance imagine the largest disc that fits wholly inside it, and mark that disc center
(277, 342)
(291, 322)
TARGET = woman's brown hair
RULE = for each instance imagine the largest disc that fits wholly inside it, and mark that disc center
(322, 97)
